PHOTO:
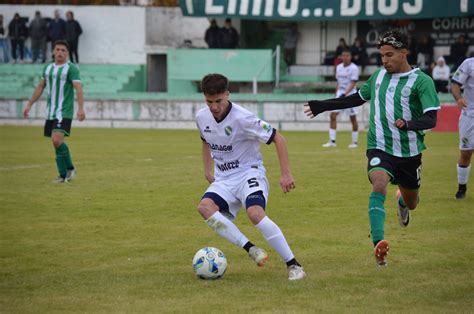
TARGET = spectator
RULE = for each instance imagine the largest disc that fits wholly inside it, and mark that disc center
(339, 49)
(440, 75)
(359, 53)
(425, 52)
(38, 34)
(291, 41)
(17, 31)
(56, 29)
(459, 51)
(73, 31)
(412, 51)
(212, 35)
(4, 42)
(229, 38)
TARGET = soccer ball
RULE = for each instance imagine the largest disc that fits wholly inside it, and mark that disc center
(209, 263)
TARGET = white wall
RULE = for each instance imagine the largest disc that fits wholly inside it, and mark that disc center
(111, 34)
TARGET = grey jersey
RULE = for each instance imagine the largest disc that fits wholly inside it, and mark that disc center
(464, 75)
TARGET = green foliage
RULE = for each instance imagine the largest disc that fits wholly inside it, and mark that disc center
(121, 237)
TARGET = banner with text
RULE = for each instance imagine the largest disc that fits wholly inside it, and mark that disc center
(324, 10)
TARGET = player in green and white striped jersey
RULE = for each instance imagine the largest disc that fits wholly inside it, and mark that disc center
(403, 103)
(60, 79)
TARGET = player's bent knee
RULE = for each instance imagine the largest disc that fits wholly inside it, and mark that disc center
(206, 208)
(255, 204)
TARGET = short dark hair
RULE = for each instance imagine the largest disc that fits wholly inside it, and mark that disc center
(394, 38)
(347, 50)
(61, 42)
(214, 84)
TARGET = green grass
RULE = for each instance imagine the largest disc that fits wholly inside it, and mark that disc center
(121, 237)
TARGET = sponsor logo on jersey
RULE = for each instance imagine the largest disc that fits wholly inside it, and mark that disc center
(220, 148)
(267, 127)
(207, 130)
(375, 161)
(228, 130)
(228, 165)
(391, 89)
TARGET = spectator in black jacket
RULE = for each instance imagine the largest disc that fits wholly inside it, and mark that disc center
(18, 32)
(56, 29)
(359, 53)
(459, 51)
(212, 35)
(229, 38)
(73, 31)
(38, 34)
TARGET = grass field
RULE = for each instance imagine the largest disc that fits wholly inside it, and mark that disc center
(121, 237)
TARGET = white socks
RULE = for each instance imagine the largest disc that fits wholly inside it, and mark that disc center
(463, 174)
(355, 136)
(332, 135)
(272, 233)
(226, 229)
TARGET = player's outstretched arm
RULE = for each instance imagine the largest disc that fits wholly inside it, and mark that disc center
(81, 114)
(315, 107)
(286, 181)
(36, 94)
(207, 161)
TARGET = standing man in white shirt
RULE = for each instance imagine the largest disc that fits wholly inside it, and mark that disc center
(347, 75)
(231, 137)
(464, 76)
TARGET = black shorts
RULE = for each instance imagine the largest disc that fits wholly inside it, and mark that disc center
(405, 171)
(56, 126)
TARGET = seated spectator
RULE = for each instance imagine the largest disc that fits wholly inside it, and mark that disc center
(339, 49)
(441, 75)
(291, 42)
(359, 53)
(412, 51)
(229, 38)
(459, 51)
(212, 35)
(425, 52)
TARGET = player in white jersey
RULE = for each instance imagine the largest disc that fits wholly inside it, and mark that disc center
(347, 75)
(464, 76)
(231, 137)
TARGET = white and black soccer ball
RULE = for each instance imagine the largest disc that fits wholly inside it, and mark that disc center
(209, 263)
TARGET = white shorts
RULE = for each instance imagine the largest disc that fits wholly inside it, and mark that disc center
(238, 187)
(466, 132)
(347, 112)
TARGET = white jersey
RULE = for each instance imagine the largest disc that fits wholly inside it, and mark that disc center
(235, 141)
(345, 75)
(464, 75)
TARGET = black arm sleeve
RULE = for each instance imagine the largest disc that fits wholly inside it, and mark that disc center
(319, 106)
(427, 121)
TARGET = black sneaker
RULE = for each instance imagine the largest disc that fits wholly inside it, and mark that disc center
(461, 193)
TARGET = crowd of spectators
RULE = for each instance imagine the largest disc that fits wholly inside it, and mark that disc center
(40, 30)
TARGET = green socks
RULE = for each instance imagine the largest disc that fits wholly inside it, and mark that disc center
(376, 216)
(63, 160)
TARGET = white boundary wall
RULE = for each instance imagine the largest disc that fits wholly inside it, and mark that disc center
(176, 115)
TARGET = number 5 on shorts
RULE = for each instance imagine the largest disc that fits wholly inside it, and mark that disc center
(253, 183)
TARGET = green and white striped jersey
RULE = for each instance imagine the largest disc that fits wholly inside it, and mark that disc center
(398, 96)
(59, 81)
